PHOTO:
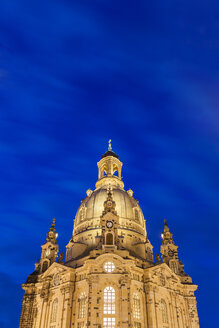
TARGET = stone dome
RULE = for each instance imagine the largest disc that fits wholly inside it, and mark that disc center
(126, 206)
(109, 217)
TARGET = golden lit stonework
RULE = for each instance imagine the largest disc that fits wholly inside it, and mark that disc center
(109, 278)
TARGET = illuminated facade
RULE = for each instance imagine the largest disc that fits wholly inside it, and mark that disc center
(109, 278)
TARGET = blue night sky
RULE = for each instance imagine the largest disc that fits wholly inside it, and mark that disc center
(74, 74)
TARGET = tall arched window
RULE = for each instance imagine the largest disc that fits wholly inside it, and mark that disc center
(109, 307)
(81, 306)
(164, 312)
(109, 301)
(53, 316)
(136, 215)
(82, 213)
(136, 307)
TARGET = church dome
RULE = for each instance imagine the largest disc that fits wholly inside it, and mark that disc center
(109, 210)
(126, 206)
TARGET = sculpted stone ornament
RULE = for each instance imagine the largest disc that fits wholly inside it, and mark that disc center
(162, 280)
(61, 257)
(89, 192)
(157, 256)
(170, 253)
(109, 204)
(130, 192)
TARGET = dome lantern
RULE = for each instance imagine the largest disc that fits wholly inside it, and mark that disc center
(109, 169)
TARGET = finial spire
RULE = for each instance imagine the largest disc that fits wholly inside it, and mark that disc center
(49, 249)
(169, 253)
(110, 145)
(166, 228)
(53, 225)
(52, 235)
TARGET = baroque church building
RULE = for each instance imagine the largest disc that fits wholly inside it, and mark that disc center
(109, 278)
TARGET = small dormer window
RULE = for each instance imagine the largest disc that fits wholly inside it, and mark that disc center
(82, 214)
(136, 212)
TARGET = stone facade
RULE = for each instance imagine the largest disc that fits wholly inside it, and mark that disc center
(109, 278)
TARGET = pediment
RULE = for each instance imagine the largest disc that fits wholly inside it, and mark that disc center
(56, 268)
(108, 257)
(109, 216)
(163, 269)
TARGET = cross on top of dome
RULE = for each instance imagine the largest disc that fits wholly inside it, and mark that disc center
(110, 145)
(110, 152)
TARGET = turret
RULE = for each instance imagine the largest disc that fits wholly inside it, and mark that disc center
(110, 169)
(168, 249)
(169, 254)
(49, 250)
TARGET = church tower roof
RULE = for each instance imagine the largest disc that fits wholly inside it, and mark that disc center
(110, 152)
(52, 235)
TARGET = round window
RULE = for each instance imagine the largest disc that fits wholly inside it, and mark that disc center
(109, 267)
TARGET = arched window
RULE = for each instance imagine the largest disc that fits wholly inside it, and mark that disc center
(103, 171)
(109, 239)
(164, 312)
(109, 301)
(53, 316)
(136, 307)
(136, 215)
(81, 306)
(115, 170)
(82, 214)
(109, 307)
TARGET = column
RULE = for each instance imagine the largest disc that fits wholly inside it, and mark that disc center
(151, 311)
(125, 303)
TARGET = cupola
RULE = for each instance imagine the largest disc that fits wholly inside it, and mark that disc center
(109, 169)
